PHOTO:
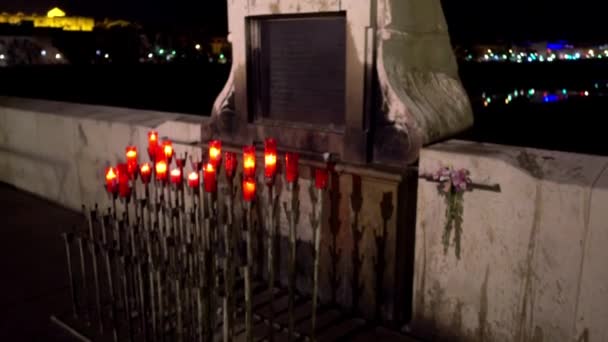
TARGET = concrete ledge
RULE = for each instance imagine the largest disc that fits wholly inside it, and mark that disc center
(59, 150)
(533, 257)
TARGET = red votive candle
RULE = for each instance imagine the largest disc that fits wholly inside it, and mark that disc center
(193, 180)
(215, 152)
(111, 180)
(209, 178)
(249, 161)
(152, 144)
(161, 170)
(248, 189)
(230, 161)
(321, 177)
(270, 157)
(131, 154)
(291, 166)
(176, 177)
(168, 151)
(145, 172)
(124, 189)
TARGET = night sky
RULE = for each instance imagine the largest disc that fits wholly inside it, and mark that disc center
(469, 20)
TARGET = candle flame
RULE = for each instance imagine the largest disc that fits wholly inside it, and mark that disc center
(249, 186)
(270, 159)
(209, 168)
(193, 176)
(176, 173)
(145, 168)
(249, 162)
(161, 167)
(214, 152)
(152, 136)
(111, 174)
(131, 154)
(168, 150)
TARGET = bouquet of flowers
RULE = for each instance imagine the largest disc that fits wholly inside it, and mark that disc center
(452, 185)
(451, 180)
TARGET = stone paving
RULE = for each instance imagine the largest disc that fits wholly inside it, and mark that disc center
(32, 258)
(34, 284)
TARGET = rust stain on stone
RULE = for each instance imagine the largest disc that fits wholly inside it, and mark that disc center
(584, 336)
(482, 330)
(456, 324)
(323, 5)
(420, 298)
(538, 335)
(82, 135)
(275, 7)
(525, 315)
(529, 162)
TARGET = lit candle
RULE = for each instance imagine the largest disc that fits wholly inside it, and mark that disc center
(321, 177)
(193, 180)
(111, 180)
(176, 177)
(291, 166)
(145, 172)
(124, 188)
(270, 157)
(249, 161)
(161, 170)
(168, 151)
(152, 144)
(215, 152)
(209, 179)
(248, 189)
(230, 164)
(131, 153)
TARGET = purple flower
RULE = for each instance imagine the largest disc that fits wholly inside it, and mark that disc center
(450, 179)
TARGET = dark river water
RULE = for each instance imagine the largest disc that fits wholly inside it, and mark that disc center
(576, 124)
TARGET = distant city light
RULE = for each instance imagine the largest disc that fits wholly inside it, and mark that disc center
(221, 56)
(197, 46)
(98, 52)
(43, 52)
(106, 56)
(58, 56)
(543, 96)
(150, 55)
(548, 52)
(161, 51)
(2, 56)
(173, 52)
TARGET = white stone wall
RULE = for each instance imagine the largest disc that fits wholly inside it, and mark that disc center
(59, 151)
(533, 263)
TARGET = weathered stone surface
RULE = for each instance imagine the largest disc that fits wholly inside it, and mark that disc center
(62, 156)
(59, 150)
(422, 99)
(531, 267)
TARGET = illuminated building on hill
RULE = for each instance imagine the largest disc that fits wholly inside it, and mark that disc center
(55, 18)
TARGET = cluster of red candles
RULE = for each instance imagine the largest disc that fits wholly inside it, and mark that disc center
(119, 178)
